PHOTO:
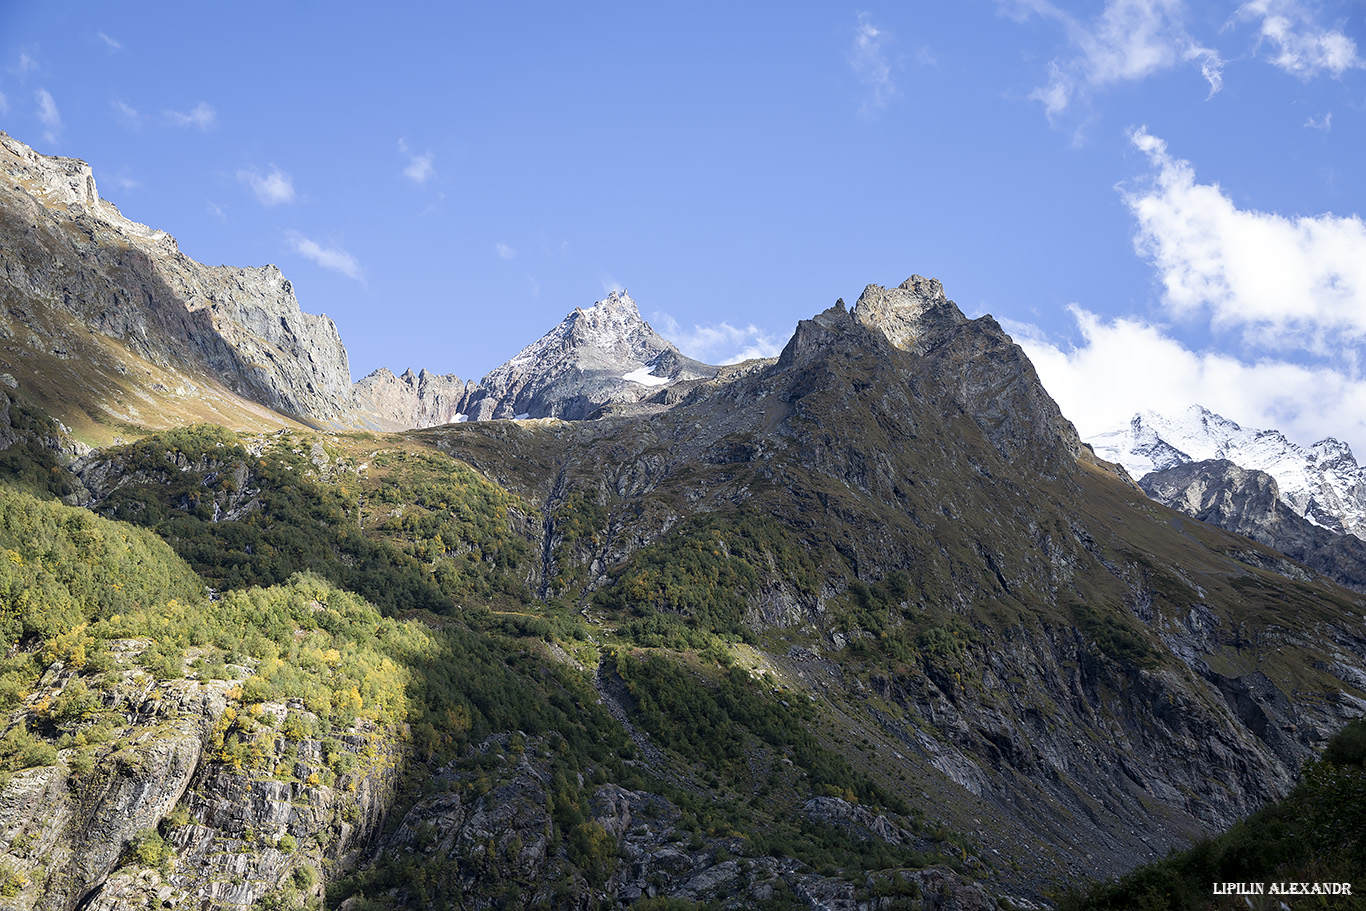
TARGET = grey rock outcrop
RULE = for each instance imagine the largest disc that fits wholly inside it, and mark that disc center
(1249, 502)
(63, 249)
(423, 399)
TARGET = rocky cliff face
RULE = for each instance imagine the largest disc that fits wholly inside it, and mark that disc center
(424, 399)
(1249, 503)
(153, 816)
(73, 265)
(600, 356)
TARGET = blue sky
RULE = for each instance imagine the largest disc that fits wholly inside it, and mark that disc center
(1160, 199)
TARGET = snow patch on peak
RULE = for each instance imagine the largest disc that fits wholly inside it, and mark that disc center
(645, 377)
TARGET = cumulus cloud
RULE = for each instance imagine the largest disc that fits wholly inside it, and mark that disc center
(334, 258)
(1129, 41)
(1124, 366)
(505, 252)
(719, 343)
(419, 167)
(1285, 299)
(271, 189)
(869, 61)
(201, 116)
(1284, 283)
(1301, 46)
(48, 115)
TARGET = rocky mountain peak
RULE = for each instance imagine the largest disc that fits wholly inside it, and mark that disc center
(597, 356)
(915, 315)
(67, 185)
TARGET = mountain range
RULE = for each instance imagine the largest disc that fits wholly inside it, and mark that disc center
(866, 625)
(1322, 483)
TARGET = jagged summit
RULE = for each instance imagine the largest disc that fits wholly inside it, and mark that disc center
(1323, 482)
(913, 316)
(601, 355)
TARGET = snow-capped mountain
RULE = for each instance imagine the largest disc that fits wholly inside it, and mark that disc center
(601, 355)
(1323, 482)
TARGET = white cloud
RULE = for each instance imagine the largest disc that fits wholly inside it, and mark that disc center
(868, 59)
(214, 209)
(505, 252)
(420, 167)
(48, 115)
(26, 64)
(719, 343)
(1286, 283)
(1126, 365)
(1324, 123)
(113, 43)
(1129, 41)
(1302, 47)
(202, 116)
(334, 258)
(271, 189)
(125, 183)
(126, 113)
(610, 284)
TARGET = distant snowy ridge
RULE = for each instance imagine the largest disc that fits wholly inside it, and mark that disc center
(1323, 482)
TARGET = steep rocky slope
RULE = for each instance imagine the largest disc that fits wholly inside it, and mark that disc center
(1249, 503)
(1070, 664)
(83, 283)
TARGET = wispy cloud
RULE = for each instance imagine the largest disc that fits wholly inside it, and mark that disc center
(1129, 41)
(719, 343)
(126, 113)
(112, 43)
(505, 252)
(26, 63)
(271, 189)
(48, 115)
(121, 181)
(334, 258)
(869, 61)
(1324, 123)
(4, 104)
(1302, 47)
(214, 209)
(202, 116)
(610, 284)
(1284, 283)
(420, 167)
